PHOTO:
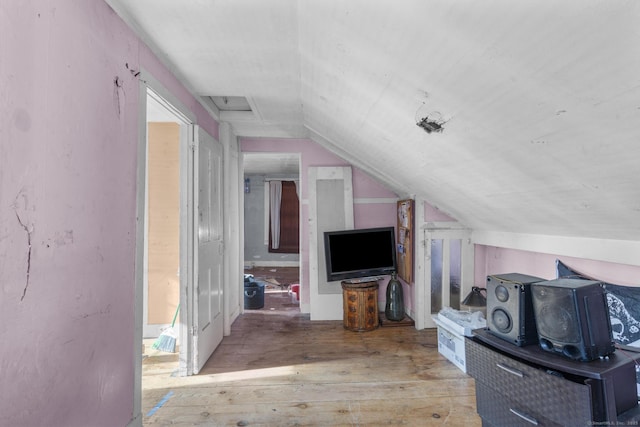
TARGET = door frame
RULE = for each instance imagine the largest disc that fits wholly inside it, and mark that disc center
(239, 192)
(156, 329)
(445, 231)
(327, 305)
(148, 83)
(233, 219)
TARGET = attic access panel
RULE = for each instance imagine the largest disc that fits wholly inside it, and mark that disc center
(231, 103)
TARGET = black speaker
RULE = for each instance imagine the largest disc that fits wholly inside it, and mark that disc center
(510, 309)
(572, 317)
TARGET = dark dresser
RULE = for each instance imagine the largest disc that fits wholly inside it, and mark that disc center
(525, 386)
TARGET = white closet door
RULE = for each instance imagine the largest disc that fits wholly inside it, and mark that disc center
(330, 209)
(207, 307)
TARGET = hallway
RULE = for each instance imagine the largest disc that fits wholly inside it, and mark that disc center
(280, 369)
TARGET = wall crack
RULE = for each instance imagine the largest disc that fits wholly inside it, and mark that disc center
(28, 231)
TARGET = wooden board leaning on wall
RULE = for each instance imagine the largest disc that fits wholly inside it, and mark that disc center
(404, 239)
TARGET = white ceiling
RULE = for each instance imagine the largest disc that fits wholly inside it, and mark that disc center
(271, 164)
(539, 100)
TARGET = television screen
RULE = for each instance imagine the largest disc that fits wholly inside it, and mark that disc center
(359, 253)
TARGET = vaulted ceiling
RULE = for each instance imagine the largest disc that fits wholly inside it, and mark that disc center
(538, 101)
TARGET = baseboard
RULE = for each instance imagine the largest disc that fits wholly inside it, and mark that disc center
(384, 322)
(154, 331)
(234, 315)
(249, 264)
(305, 308)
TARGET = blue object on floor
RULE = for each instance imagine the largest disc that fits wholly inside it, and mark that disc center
(253, 295)
(159, 405)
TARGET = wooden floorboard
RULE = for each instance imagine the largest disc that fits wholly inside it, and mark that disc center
(280, 369)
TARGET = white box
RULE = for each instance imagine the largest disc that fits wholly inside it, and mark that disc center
(455, 327)
(451, 343)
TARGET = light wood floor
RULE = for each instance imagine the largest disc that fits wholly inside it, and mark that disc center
(280, 369)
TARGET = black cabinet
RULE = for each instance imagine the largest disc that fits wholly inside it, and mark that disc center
(525, 386)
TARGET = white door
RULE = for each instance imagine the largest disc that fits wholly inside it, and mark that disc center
(207, 314)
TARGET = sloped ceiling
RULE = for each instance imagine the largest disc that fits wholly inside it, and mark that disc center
(539, 100)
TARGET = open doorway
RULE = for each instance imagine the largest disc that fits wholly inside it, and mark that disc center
(182, 268)
(272, 229)
(154, 108)
(162, 243)
(199, 277)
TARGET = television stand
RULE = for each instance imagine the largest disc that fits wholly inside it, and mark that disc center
(529, 386)
(360, 305)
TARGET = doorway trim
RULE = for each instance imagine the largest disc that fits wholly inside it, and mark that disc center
(148, 84)
(325, 298)
(446, 232)
(270, 173)
(163, 113)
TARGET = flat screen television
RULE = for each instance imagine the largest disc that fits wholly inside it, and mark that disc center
(365, 252)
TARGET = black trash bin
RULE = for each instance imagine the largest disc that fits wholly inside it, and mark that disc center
(253, 295)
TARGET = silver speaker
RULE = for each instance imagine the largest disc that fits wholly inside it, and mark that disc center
(510, 314)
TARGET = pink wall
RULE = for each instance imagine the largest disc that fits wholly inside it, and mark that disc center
(312, 154)
(493, 260)
(68, 141)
